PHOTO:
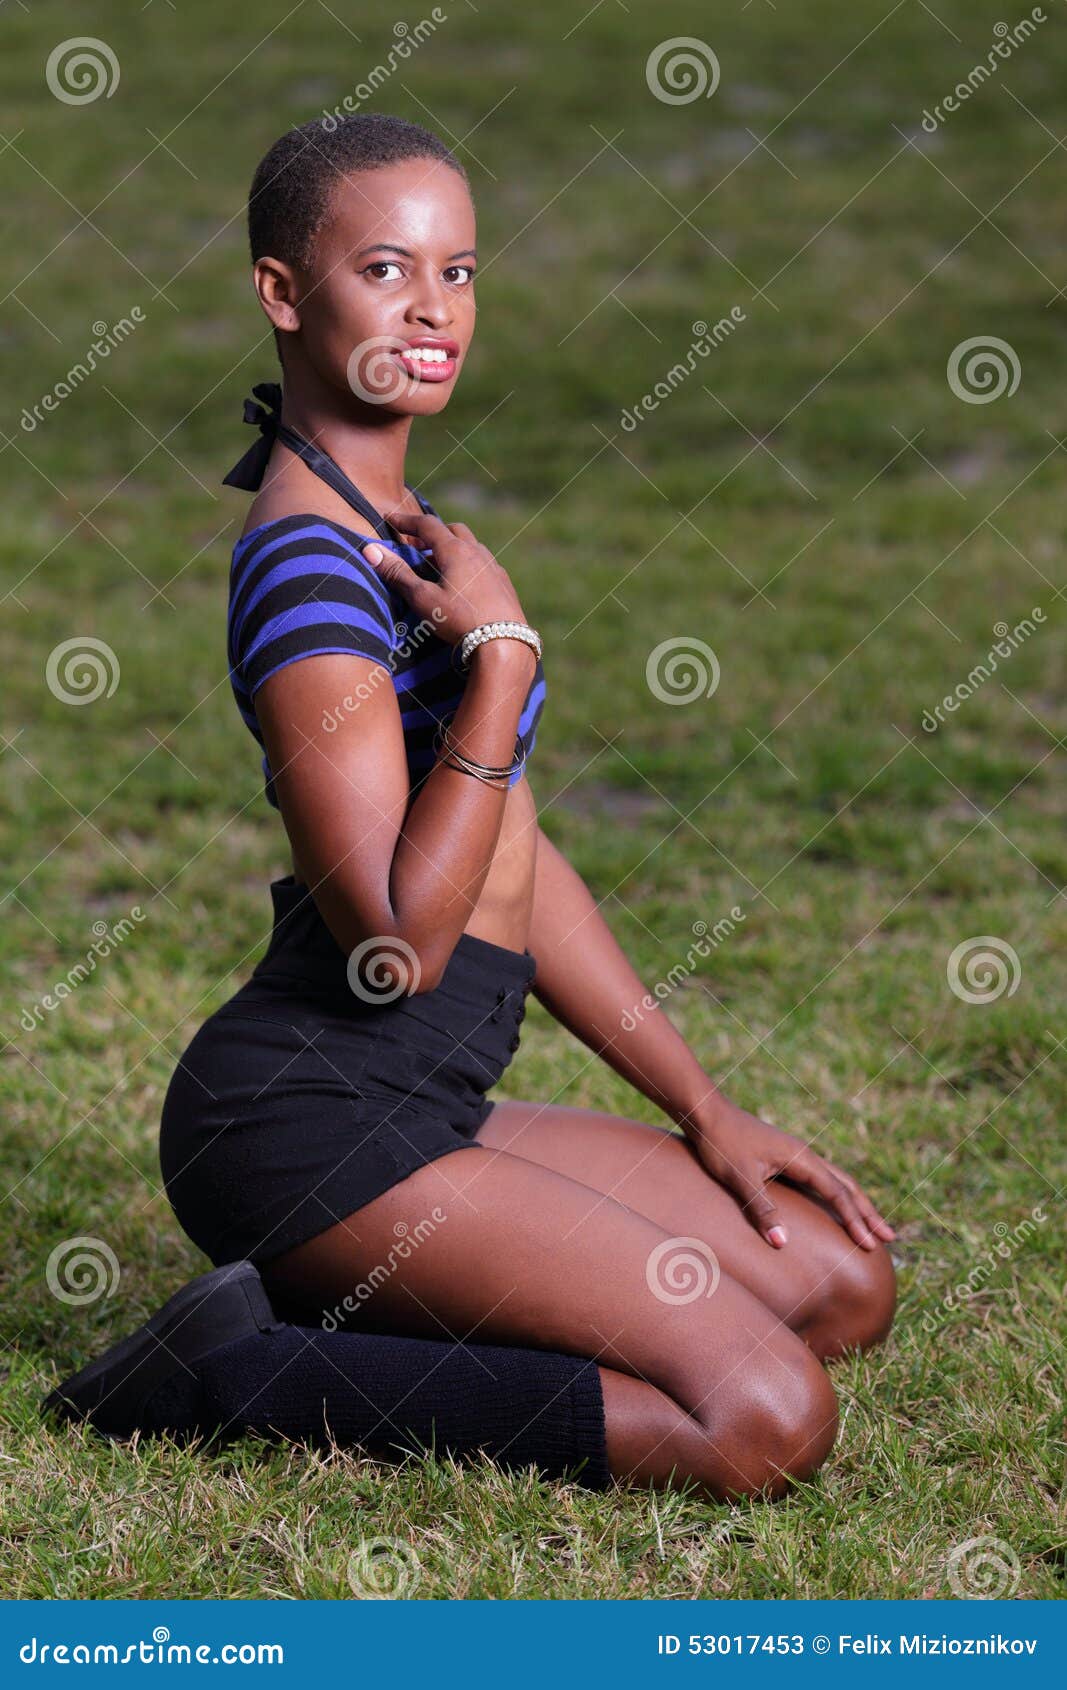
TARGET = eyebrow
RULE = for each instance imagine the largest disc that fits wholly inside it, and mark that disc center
(384, 246)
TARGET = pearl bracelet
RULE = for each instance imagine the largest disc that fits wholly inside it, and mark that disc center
(495, 631)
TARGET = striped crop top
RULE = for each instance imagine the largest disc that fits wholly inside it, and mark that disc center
(300, 586)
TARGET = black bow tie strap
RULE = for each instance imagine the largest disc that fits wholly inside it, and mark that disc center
(248, 473)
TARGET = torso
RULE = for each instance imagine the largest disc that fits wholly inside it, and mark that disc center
(504, 908)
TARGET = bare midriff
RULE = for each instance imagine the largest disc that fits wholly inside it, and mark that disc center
(505, 905)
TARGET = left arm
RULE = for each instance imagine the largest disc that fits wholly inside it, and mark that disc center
(585, 981)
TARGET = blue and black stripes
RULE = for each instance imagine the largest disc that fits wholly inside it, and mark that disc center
(300, 586)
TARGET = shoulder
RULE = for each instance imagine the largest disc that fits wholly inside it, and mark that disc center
(300, 585)
(285, 539)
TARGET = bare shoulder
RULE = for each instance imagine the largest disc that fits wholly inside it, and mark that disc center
(276, 506)
(287, 494)
(295, 490)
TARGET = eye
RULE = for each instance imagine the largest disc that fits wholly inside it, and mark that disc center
(467, 267)
(382, 264)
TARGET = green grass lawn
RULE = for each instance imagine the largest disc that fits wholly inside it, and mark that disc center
(814, 502)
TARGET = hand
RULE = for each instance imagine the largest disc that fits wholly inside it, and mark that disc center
(743, 1153)
(473, 587)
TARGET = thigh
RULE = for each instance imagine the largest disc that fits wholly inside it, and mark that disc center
(657, 1173)
(483, 1246)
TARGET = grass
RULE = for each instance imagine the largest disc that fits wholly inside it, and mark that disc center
(814, 502)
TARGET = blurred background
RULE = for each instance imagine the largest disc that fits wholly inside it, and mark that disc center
(764, 416)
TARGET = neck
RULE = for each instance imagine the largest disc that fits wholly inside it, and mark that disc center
(368, 442)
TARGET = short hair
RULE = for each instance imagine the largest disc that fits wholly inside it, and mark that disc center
(291, 190)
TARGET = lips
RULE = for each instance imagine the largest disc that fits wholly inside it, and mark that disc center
(429, 369)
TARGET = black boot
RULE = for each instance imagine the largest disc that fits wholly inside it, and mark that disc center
(216, 1362)
(212, 1311)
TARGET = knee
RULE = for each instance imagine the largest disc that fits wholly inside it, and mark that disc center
(790, 1427)
(780, 1427)
(856, 1303)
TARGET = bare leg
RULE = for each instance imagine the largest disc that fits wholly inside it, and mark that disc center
(715, 1389)
(835, 1295)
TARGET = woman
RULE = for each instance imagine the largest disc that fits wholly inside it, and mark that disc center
(330, 1123)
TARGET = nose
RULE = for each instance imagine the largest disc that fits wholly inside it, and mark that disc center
(433, 304)
(433, 314)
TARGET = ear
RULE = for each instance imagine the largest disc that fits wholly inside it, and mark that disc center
(278, 291)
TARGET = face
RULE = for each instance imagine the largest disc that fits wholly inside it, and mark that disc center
(393, 270)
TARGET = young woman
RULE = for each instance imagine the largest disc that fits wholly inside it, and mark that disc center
(330, 1124)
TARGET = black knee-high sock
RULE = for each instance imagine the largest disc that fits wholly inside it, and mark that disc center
(387, 1394)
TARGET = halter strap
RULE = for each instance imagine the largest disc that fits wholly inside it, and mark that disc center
(249, 471)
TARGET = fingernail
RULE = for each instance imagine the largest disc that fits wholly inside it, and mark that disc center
(778, 1236)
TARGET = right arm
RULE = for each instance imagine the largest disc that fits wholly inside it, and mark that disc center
(378, 868)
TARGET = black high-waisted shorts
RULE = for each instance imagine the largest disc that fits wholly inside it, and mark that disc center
(298, 1101)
